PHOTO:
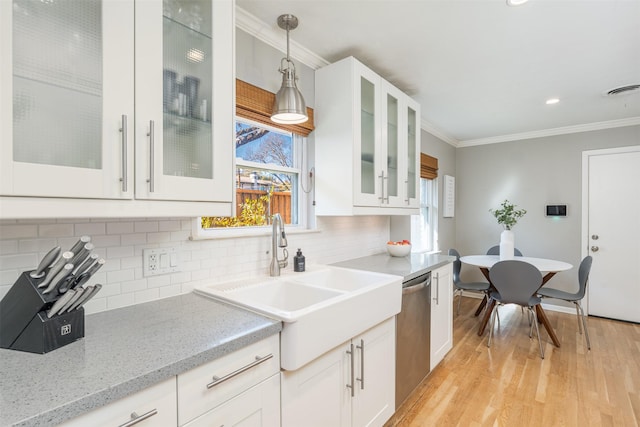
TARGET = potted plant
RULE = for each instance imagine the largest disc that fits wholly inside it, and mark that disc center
(507, 216)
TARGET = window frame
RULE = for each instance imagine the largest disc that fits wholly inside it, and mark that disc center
(300, 158)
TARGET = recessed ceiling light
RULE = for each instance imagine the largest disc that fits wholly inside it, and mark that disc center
(516, 2)
(552, 101)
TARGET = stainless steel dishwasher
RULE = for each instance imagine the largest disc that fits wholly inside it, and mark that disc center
(413, 336)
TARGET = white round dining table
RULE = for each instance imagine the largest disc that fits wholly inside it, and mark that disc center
(548, 267)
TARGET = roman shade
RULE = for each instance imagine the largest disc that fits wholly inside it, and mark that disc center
(254, 103)
(428, 166)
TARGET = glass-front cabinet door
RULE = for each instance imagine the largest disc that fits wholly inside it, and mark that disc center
(66, 98)
(368, 160)
(412, 178)
(184, 93)
(392, 145)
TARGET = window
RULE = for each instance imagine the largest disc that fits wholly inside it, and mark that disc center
(424, 227)
(267, 177)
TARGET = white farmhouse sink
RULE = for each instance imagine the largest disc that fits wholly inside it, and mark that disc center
(321, 308)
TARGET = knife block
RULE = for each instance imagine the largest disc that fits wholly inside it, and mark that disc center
(24, 324)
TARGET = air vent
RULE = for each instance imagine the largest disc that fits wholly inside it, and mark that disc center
(622, 90)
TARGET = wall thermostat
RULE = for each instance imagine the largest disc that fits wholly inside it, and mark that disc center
(556, 210)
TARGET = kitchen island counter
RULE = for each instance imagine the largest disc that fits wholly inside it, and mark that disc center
(409, 267)
(124, 351)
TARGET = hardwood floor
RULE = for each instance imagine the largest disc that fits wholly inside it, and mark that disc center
(510, 385)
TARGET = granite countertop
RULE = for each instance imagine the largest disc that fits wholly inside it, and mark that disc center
(123, 351)
(410, 266)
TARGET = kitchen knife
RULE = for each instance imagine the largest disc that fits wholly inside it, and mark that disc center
(59, 279)
(95, 290)
(60, 303)
(77, 293)
(95, 267)
(88, 262)
(85, 251)
(46, 261)
(80, 244)
(85, 294)
(57, 267)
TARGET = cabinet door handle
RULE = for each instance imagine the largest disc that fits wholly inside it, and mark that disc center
(437, 298)
(135, 418)
(382, 178)
(219, 380)
(361, 379)
(125, 177)
(351, 386)
(152, 156)
(408, 199)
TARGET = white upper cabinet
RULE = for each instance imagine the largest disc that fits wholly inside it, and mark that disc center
(73, 139)
(367, 139)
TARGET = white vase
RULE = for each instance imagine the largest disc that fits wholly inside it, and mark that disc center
(507, 244)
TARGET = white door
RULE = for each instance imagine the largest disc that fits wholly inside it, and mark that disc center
(613, 231)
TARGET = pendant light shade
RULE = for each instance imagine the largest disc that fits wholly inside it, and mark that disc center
(289, 106)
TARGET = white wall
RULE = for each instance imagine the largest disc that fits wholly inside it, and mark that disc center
(530, 173)
(121, 242)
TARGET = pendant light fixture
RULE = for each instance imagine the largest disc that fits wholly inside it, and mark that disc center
(289, 106)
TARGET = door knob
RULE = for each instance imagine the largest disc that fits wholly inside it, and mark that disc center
(594, 248)
(595, 237)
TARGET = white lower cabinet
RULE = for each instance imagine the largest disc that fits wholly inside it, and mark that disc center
(154, 406)
(351, 385)
(441, 313)
(257, 407)
(239, 389)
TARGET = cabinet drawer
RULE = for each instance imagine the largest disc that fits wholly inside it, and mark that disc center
(256, 407)
(205, 387)
(157, 403)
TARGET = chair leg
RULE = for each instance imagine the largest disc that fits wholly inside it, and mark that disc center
(492, 324)
(535, 322)
(459, 292)
(578, 317)
(584, 323)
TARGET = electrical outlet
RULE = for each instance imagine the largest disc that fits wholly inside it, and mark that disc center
(160, 261)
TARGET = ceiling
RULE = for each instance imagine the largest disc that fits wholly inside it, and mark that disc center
(480, 69)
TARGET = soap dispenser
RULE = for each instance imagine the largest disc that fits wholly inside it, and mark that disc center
(298, 261)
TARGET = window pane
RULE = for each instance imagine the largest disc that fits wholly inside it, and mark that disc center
(258, 144)
(262, 191)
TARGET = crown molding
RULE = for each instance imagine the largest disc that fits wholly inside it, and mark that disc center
(277, 39)
(433, 130)
(588, 127)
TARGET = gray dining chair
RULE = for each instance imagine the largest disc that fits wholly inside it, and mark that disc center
(583, 279)
(495, 250)
(460, 286)
(516, 282)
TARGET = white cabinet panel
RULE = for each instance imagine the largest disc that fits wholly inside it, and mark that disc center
(367, 140)
(196, 395)
(157, 403)
(441, 313)
(257, 407)
(351, 385)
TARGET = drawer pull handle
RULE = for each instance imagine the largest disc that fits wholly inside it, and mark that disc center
(218, 380)
(135, 418)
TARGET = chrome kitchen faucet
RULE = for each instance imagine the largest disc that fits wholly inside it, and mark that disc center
(278, 240)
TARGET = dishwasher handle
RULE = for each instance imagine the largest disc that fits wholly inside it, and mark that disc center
(417, 287)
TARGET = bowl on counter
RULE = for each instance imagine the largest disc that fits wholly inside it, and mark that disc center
(399, 249)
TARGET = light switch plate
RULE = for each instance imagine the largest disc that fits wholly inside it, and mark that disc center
(160, 261)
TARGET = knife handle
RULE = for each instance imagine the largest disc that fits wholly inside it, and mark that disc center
(95, 267)
(60, 277)
(85, 251)
(95, 290)
(57, 267)
(80, 244)
(76, 294)
(85, 265)
(46, 261)
(85, 294)
(60, 303)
